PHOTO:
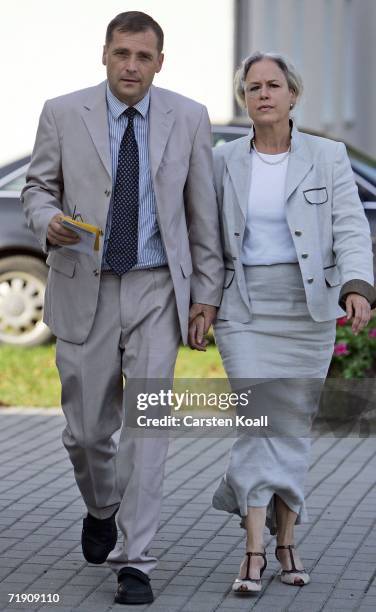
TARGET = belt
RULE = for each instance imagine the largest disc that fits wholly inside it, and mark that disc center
(112, 273)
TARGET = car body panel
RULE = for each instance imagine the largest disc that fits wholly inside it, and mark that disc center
(15, 236)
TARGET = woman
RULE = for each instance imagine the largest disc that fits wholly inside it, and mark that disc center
(296, 246)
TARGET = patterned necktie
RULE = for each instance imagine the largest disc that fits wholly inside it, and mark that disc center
(122, 243)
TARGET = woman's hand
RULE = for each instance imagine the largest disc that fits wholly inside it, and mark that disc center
(196, 338)
(358, 309)
(201, 316)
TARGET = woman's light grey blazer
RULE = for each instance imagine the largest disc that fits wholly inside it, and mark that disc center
(325, 216)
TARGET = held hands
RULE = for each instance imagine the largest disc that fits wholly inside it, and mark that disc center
(58, 235)
(358, 309)
(201, 316)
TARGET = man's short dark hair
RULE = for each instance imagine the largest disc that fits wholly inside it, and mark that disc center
(134, 21)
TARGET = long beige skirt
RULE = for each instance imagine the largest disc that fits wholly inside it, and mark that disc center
(284, 345)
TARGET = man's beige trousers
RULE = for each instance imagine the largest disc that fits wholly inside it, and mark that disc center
(136, 335)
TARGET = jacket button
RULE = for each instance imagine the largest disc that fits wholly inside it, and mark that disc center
(234, 259)
(310, 280)
(304, 255)
(298, 233)
(96, 272)
(236, 234)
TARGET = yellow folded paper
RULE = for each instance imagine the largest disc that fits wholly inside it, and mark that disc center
(86, 227)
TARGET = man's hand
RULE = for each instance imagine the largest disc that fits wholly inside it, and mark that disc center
(58, 235)
(358, 309)
(201, 316)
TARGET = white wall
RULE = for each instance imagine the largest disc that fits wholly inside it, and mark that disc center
(51, 47)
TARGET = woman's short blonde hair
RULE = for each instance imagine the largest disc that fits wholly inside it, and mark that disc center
(293, 78)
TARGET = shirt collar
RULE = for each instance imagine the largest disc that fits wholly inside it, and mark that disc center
(117, 107)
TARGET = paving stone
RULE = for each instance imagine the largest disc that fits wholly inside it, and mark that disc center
(337, 604)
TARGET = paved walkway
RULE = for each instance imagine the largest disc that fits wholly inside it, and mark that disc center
(199, 548)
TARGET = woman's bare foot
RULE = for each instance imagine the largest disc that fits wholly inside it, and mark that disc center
(255, 566)
(292, 569)
(283, 556)
(250, 572)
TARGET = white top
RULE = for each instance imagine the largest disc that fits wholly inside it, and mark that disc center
(267, 238)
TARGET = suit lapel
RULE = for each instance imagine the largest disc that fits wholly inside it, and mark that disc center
(239, 168)
(162, 118)
(94, 114)
(300, 163)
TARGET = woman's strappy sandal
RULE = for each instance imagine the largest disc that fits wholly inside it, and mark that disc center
(293, 576)
(248, 584)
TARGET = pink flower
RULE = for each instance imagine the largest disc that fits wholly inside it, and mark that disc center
(342, 321)
(341, 349)
(372, 333)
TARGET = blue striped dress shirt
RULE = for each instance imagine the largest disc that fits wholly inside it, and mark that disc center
(151, 252)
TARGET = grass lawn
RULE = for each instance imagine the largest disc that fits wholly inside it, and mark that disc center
(28, 377)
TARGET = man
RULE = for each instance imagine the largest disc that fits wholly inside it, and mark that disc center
(134, 160)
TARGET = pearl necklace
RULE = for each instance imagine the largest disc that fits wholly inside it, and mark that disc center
(270, 163)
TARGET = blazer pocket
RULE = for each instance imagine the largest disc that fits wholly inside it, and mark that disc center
(229, 277)
(318, 195)
(186, 268)
(332, 276)
(61, 263)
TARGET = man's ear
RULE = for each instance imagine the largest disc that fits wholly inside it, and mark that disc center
(104, 56)
(160, 62)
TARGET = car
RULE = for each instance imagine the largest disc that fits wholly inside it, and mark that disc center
(23, 271)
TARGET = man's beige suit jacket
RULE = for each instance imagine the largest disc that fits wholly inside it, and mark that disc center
(71, 167)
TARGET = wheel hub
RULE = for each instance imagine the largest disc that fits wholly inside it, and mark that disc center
(13, 306)
(21, 306)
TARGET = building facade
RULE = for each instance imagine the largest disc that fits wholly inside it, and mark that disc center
(333, 45)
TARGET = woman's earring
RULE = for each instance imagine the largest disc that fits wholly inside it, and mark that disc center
(291, 106)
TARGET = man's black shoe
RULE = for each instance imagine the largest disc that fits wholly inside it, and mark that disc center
(98, 538)
(133, 587)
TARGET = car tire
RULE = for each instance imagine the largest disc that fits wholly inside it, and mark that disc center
(22, 286)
